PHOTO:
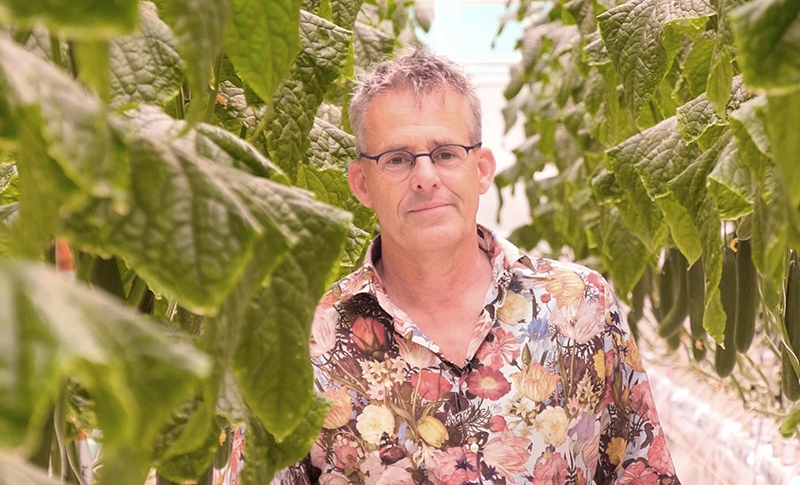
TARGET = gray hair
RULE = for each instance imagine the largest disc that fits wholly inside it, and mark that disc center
(422, 73)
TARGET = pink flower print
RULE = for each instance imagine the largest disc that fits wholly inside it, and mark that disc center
(638, 473)
(507, 453)
(345, 453)
(497, 424)
(551, 470)
(581, 320)
(658, 456)
(431, 386)
(369, 335)
(642, 402)
(500, 351)
(455, 466)
(415, 354)
(488, 383)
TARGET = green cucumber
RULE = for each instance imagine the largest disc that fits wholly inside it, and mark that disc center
(791, 318)
(747, 296)
(725, 355)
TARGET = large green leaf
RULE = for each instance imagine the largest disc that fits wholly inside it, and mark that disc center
(642, 41)
(782, 120)
(659, 154)
(371, 44)
(690, 190)
(262, 40)
(767, 35)
(277, 323)
(752, 140)
(57, 330)
(330, 185)
(80, 18)
(296, 101)
(199, 27)
(145, 66)
(71, 124)
(193, 222)
(330, 147)
(623, 254)
(731, 185)
(265, 455)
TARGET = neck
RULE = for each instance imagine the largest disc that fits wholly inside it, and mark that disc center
(426, 278)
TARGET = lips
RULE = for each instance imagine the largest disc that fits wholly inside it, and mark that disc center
(428, 206)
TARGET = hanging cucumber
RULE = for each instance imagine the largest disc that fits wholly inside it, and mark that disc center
(747, 300)
(696, 286)
(672, 322)
(637, 302)
(725, 355)
(791, 318)
(696, 291)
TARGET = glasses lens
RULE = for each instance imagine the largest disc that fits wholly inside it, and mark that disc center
(449, 155)
(396, 162)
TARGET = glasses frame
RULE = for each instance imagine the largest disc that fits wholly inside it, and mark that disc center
(376, 158)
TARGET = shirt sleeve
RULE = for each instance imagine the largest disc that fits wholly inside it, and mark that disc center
(633, 447)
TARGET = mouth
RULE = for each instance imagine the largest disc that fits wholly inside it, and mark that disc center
(428, 207)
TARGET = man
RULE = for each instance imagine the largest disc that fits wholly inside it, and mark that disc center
(451, 357)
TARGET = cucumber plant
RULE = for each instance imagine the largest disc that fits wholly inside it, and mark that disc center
(651, 126)
(189, 156)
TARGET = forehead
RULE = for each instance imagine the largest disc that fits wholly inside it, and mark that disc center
(400, 118)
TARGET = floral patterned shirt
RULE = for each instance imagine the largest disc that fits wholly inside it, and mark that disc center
(553, 392)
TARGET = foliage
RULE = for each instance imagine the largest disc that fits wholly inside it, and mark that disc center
(657, 125)
(189, 156)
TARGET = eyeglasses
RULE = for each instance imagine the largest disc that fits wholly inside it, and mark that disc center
(398, 163)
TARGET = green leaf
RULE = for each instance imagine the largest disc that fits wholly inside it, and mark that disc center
(58, 329)
(752, 140)
(330, 147)
(145, 66)
(720, 75)
(92, 65)
(659, 154)
(191, 465)
(330, 185)
(357, 242)
(9, 183)
(689, 188)
(344, 12)
(370, 45)
(262, 40)
(731, 185)
(199, 27)
(698, 117)
(265, 455)
(296, 101)
(621, 252)
(769, 251)
(641, 42)
(193, 222)
(767, 36)
(82, 18)
(225, 148)
(782, 120)
(46, 102)
(696, 64)
(644, 219)
(278, 319)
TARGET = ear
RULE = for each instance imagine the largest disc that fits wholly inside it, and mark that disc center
(486, 168)
(357, 179)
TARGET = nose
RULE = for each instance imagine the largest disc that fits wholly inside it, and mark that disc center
(424, 175)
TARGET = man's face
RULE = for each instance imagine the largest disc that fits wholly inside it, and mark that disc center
(431, 207)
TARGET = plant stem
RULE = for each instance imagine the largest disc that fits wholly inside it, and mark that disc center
(138, 288)
(212, 95)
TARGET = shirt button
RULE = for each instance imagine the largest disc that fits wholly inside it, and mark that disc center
(474, 447)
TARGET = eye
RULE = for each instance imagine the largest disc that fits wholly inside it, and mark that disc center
(395, 159)
(448, 153)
